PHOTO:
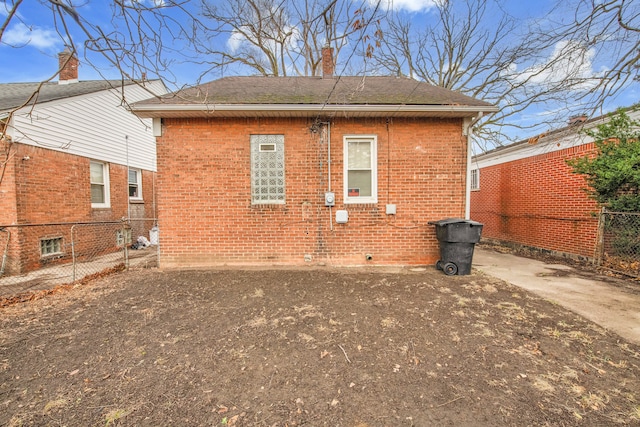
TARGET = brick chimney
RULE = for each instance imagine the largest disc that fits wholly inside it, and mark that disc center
(68, 64)
(327, 62)
(576, 120)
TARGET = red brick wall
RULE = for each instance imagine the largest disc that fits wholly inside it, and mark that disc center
(54, 187)
(538, 202)
(204, 201)
(7, 185)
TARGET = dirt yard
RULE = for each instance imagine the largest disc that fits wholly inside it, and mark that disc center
(314, 347)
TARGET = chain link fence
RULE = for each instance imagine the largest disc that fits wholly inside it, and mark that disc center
(618, 247)
(41, 257)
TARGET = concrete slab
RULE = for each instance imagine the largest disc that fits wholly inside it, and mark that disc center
(612, 303)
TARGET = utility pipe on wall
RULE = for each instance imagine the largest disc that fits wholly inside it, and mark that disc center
(328, 130)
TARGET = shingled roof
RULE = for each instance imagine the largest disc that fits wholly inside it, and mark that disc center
(14, 95)
(309, 96)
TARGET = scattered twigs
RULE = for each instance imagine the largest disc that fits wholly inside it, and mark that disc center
(345, 353)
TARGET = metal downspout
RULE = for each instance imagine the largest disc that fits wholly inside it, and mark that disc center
(469, 132)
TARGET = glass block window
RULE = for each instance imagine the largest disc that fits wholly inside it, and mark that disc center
(50, 246)
(267, 169)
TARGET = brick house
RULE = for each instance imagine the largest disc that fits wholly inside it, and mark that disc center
(71, 153)
(526, 194)
(318, 170)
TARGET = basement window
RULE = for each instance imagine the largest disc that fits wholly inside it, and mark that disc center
(50, 246)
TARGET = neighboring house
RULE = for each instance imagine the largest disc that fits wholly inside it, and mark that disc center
(526, 194)
(71, 152)
(288, 170)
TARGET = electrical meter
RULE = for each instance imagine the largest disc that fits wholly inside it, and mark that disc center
(329, 199)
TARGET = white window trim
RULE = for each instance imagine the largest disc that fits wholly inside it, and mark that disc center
(107, 195)
(374, 169)
(475, 183)
(139, 183)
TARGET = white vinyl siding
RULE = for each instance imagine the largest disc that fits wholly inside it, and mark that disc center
(360, 169)
(99, 185)
(84, 126)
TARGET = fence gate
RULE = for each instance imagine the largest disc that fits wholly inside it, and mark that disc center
(618, 247)
(37, 257)
(97, 247)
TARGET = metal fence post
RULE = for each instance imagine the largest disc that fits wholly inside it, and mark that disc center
(125, 246)
(73, 254)
(6, 251)
(599, 249)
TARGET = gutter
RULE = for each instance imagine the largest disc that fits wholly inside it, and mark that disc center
(174, 110)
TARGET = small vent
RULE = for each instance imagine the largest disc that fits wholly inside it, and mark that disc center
(267, 147)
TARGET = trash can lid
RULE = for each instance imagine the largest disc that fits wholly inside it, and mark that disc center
(448, 221)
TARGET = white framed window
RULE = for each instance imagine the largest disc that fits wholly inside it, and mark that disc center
(135, 184)
(50, 247)
(360, 169)
(267, 169)
(475, 179)
(100, 185)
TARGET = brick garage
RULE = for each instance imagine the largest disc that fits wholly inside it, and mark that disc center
(207, 216)
(538, 202)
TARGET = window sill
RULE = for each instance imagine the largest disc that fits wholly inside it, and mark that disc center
(51, 257)
(360, 202)
(136, 201)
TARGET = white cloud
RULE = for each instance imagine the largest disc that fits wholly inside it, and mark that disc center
(235, 41)
(238, 39)
(408, 5)
(145, 3)
(569, 61)
(21, 35)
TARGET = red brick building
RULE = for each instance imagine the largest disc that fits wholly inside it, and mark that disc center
(295, 170)
(526, 194)
(77, 155)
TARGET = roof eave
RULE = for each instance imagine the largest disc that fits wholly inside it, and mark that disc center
(305, 110)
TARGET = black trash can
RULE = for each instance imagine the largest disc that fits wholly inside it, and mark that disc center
(457, 239)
